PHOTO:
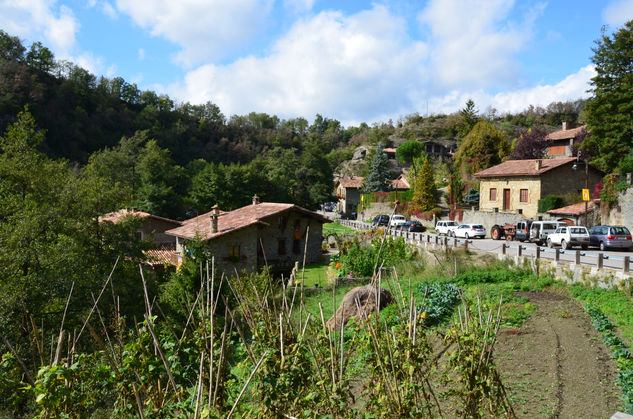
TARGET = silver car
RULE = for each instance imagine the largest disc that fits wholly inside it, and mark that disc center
(470, 230)
(605, 237)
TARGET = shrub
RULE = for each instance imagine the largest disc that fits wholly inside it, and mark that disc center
(550, 202)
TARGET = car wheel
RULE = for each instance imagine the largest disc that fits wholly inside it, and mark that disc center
(550, 244)
(602, 246)
(583, 247)
(466, 236)
(564, 245)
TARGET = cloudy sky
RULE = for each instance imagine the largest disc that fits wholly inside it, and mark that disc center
(350, 60)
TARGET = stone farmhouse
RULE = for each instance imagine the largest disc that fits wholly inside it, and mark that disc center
(348, 191)
(256, 235)
(151, 228)
(517, 185)
(401, 183)
(562, 141)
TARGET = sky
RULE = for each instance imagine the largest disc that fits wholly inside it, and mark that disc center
(355, 61)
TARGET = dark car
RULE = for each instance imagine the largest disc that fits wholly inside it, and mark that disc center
(605, 237)
(412, 226)
(380, 220)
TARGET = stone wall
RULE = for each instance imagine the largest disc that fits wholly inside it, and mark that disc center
(529, 208)
(375, 208)
(622, 213)
(154, 230)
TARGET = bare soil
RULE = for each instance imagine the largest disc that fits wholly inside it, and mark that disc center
(555, 365)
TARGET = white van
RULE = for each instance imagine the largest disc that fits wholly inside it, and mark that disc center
(446, 227)
(539, 230)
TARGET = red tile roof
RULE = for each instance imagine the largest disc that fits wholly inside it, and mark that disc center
(575, 209)
(389, 150)
(353, 182)
(119, 215)
(523, 167)
(162, 257)
(564, 134)
(401, 183)
(236, 220)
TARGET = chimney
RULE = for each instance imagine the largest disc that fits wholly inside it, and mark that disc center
(538, 164)
(215, 212)
(564, 125)
(255, 199)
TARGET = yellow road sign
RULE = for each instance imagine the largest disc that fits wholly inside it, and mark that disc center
(585, 195)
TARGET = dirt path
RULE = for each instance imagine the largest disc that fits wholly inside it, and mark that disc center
(556, 365)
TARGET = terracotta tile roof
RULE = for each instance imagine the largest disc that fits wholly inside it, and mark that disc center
(389, 150)
(236, 220)
(162, 257)
(401, 183)
(575, 209)
(353, 182)
(564, 134)
(119, 215)
(523, 167)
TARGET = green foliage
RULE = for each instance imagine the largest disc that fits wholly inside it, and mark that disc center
(609, 193)
(611, 132)
(408, 151)
(550, 202)
(483, 147)
(472, 197)
(467, 119)
(424, 190)
(360, 261)
(439, 300)
(378, 177)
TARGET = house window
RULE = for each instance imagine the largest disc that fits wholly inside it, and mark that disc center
(523, 195)
(281, 247)
(493, 194)
(234, 251)
(282, 223)
(296, 246)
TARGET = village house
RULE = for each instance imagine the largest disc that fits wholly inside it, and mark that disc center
(561, 142)
(575, 214)
(401, 183)
(439, 149)
(518, 185)
(260, 234)
(348, 193)
(151, 228)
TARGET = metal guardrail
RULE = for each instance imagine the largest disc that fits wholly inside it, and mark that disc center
(623, 263)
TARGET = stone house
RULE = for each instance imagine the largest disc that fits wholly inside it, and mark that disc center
(401, 183)
(575, 214)
(439, 149)
(518, 185)
(151, 228)
(348, 190)
(256, 235)
(562, 141)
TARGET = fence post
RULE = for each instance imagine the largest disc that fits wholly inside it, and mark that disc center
(557, 254)
(437, 239)
(503, 249)
(428, 238)
(538, 252)
(577, 257)
(600, 261)
(626, 263)
(445, 241)
(454, 241)
(519, 250)
(466, 244)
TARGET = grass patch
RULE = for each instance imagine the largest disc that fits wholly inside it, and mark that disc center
(336, 228)
(315, 274)
(615, 304)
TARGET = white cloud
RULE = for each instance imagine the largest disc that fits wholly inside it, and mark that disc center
(351, 67)
(573, 87)
(205, 29)
(40, 20)
(299, 6)
(108, 10)
(141, 54)
(618, 12)
(474, 42)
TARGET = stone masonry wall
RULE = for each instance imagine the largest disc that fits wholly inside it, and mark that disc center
(622, 213)
(529, 208)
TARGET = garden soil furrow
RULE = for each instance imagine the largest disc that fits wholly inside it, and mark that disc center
(556, 365)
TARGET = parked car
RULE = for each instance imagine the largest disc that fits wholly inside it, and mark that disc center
(397, 221)
(539, 230)
(569, 236)
(522, 230)
(445, 227)
(380, 220)
(469, 230)
(605, 237)
(413, 226)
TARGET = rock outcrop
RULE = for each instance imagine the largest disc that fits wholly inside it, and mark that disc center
(359, 302)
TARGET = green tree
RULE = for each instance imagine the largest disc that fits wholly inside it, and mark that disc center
(407, 152)
(483, 147)
(467, 119)
(378, 177)
(609, 113)
(424, 190)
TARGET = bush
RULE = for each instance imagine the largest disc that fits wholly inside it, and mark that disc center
(550, 202)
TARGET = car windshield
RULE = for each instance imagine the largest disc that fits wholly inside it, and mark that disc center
(451, 223)
(620, 230)
(479, 226)
(549, 226)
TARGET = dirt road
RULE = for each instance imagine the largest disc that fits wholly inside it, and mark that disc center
(556, 365)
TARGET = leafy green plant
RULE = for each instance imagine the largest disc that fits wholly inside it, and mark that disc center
(439, 300)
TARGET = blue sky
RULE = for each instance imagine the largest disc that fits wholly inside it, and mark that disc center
(354, 60)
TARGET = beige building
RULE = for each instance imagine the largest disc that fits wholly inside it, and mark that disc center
(517, 185)
(348, 193)
(256, 235)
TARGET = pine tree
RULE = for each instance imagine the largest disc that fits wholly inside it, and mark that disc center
(424, 191)
(377, 180)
